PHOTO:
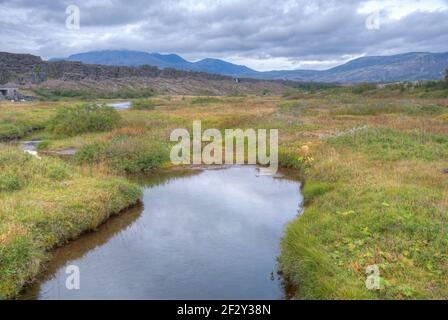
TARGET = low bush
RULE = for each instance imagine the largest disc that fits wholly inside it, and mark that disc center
(83, 119)
(135, 155)
(55, 170)
(289, 159)
(363, 87)
(10, 181)
(444, 117)
(144, 104)
(205, 100)
(125, 154)
(90, 153)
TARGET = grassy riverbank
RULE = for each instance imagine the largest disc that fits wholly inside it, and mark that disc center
(43, 204)
(373, 162)
(376, 194)
(17, 120)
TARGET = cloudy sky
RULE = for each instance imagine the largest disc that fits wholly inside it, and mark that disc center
(262, 34)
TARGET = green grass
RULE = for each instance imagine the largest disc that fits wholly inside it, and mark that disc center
(17, 120)
(399, 228)
(389, 144)
(312, 190)
(143, 104)
(45, 203)
(403, 108)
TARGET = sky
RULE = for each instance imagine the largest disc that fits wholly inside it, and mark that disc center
(262, 34)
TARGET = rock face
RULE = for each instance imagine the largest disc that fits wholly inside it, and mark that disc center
(26, 69)
(4, 75)
(8, 93)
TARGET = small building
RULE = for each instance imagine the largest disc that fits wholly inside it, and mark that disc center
(8, 93)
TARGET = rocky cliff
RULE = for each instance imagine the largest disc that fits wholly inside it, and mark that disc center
(26, 68)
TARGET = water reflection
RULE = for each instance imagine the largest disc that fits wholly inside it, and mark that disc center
(210, 234)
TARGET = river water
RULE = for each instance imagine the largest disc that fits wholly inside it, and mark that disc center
(120, 105)
(199, 234)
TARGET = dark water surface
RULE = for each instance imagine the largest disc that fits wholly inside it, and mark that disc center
(211, 234)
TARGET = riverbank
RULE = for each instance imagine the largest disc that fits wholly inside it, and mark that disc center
(45, 203)
(382, 206)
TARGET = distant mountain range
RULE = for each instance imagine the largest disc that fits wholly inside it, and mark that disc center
(138, 58)
(401, 67)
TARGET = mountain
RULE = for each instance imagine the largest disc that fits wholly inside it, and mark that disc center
(138, 58)
(401, 67)
(119, 58)
(222, 67)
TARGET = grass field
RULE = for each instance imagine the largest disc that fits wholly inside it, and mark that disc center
(373, 164)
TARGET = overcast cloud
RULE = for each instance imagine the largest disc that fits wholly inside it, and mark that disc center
(262, 34)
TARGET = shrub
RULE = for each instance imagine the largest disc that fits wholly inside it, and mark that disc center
(135, 155)
(82, 119)
(205, 100)
(125, 154)
(90, 153)
(11, 157)
(55, 169)
(363, 87)
(144, 104)
(444, 117)
(265, 92)
(9, 181)
(289, 159)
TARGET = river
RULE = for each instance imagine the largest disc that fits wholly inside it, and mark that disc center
(199, 234)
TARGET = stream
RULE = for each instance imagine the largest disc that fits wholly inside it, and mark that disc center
(198, 234)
